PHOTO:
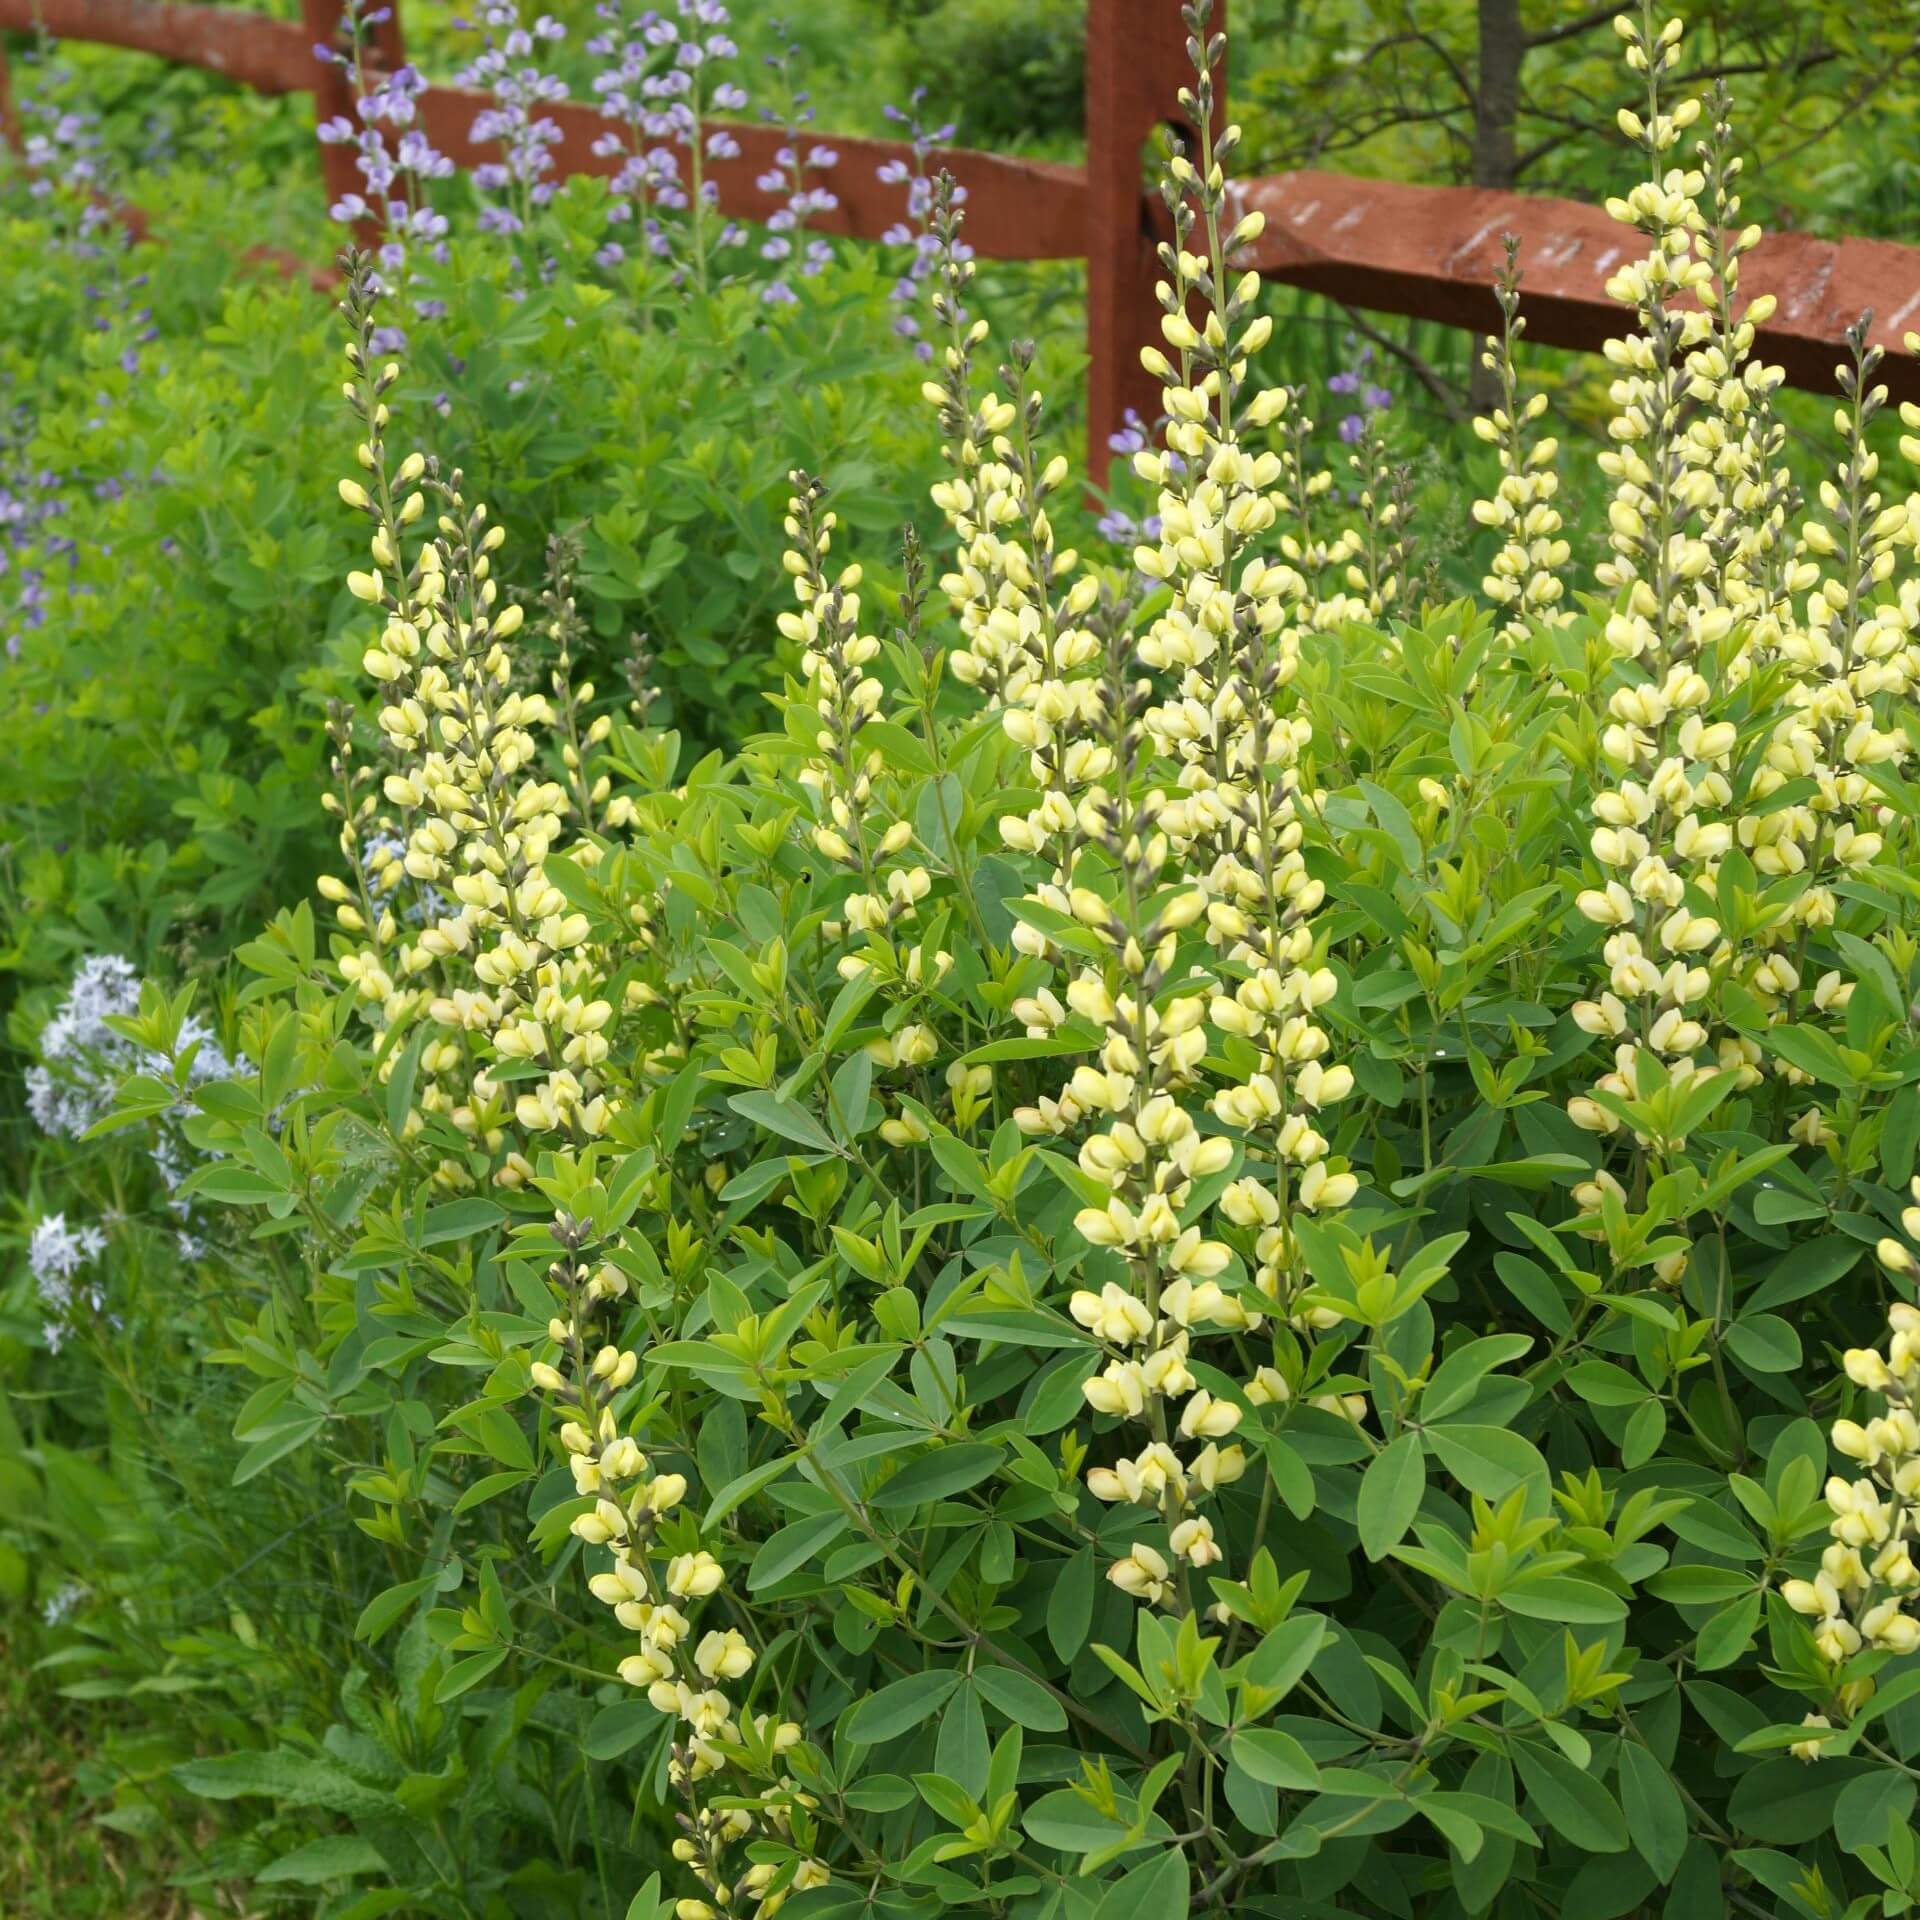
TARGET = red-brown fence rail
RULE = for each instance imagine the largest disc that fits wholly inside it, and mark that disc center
(1432, 252)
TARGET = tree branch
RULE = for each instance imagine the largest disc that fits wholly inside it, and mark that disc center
(1850, 105)
(1356, 133)
(1415, 37)
(1551, 145)
(1732, 69)
(1440, 52)
(1571, 29)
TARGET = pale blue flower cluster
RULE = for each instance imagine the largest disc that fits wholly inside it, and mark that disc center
(509, 67)
(661, 74)
(394, 157)
(84, 1058)
(791, 177)
(1355, 381)
(916, 230)
(57, 1257)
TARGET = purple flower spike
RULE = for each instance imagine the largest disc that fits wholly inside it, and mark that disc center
(916, 231)
(789, 176)
(661, 73)
(393, 157)
(509, 68)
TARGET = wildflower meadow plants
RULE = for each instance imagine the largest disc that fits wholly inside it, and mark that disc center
(565, 320)
(159, 396)
(1200, 1239)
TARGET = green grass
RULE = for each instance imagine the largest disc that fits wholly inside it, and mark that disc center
(57, 1861)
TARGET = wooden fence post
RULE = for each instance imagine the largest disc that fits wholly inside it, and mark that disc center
(11, 135)
(333, 95)
(1136, 65)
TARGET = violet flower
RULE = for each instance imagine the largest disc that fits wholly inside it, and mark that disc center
(791, 177)
(916, 230)
(63, 149)
(31, 501)
(509, 68)
(1116, 524)
(394, 158)
(1352, 379)
(661, 73)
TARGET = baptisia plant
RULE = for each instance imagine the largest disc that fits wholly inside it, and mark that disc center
(1160, 1255)
(516, 295)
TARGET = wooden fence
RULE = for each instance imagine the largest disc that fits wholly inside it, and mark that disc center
(1389, 247)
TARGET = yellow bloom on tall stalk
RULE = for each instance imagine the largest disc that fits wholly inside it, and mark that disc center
(490, 954)
(1715, 649)
(1234, 729)
(1848, 664)
(1664, 808)
(1169, 810)
(1021, 600)
(856, 827)
(683, 1668)
(1752, 551)
(1308, 538)
(505, 971)
(1526, 577)
(836, 658)
(1866, 1595)
(1148, 749)
(1756, 667)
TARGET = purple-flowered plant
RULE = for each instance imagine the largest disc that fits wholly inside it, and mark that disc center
(916, 230)
(649, 173)
(62, 147)
(661, 74)
(1116, 524)
(32, 498)
(509, 67)
(63, 152)
(790, 176)
(394, 158)
(1353, 380)
(67, 169)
